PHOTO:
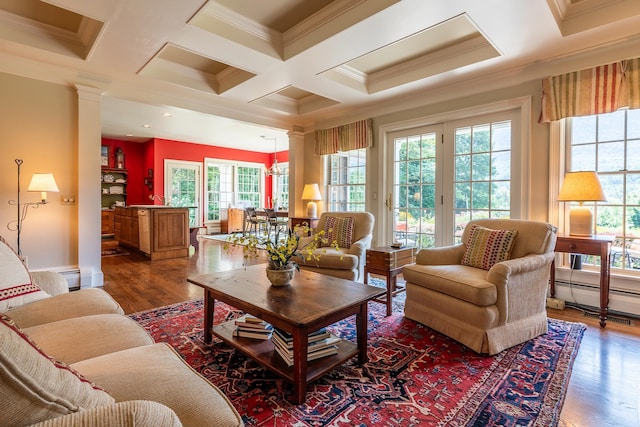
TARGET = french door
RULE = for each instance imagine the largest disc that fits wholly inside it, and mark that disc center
(445, 175)
(182, 187)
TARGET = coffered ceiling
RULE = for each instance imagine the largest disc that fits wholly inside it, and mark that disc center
(225, 72)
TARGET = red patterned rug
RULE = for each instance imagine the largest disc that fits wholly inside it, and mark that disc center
(415, 376)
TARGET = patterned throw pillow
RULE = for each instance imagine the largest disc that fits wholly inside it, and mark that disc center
(339, 229)
(16, 286)
(35, 387)
(486, 247)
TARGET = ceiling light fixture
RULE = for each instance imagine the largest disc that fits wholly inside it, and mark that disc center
(274, 170)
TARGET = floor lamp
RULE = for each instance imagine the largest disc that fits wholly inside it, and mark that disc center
(40, 182)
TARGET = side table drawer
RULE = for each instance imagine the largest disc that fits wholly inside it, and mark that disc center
(392, 259)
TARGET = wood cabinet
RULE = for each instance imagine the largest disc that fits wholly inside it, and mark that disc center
(125, 227)
(234, 222)
(107, 217)
(114, 187)
(158, 232)
(309, 222)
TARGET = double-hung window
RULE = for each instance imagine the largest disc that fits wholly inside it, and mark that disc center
(347, 179)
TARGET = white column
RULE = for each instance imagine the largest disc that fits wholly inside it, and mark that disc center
(296, 171)
(89, 142)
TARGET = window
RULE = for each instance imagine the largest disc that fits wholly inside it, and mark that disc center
(281, 188)
(249, 185)
(609, 144)
(219, 189)
(482, 187)
(232, 184)
(347, 175)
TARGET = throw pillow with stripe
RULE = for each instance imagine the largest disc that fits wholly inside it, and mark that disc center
(486, 247)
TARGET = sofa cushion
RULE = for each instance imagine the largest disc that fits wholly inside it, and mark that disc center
(35, 387)
(339, 230)
(80, 338)
(16, 286)
(486, 247)
(459, 281)
(84, 302)
(156, 372)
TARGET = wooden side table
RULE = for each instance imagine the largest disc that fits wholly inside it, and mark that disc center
(590, 245)
(387, 261)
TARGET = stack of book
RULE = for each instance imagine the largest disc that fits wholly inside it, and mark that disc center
(321, 343)
(249, 326)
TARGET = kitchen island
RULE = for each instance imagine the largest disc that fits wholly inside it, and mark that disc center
(158, 232)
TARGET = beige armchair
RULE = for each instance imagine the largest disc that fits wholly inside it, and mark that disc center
(348, 261)
(486, 307)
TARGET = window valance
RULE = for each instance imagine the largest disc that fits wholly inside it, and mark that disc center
(347, 137)
(597, 90)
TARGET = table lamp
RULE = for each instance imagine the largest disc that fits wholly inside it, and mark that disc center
(311, 192)
(581, 187)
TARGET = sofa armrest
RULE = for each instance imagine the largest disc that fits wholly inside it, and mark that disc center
(139, 413)
(501, 271)
(50, 282)
(445, 255)
(521, 285)
(359, 247)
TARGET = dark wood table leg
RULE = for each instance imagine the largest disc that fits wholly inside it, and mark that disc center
(604, 285)
(209, 303)
(361, 330)
(300, 345)
(552, 279)
(391, 280)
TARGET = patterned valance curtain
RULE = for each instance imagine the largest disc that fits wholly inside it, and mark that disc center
(347, 137)
(598, 90)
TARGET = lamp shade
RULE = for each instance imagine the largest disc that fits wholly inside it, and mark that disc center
(581, 186)
(43, 182)
(311, 192)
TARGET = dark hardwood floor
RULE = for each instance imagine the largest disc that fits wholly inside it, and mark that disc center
(604, 389)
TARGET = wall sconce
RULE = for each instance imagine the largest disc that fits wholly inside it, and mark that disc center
(40, 182)
(148, 180)
(311, 192)
(581, 187)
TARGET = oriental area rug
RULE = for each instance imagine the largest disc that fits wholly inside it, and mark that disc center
(415, 376)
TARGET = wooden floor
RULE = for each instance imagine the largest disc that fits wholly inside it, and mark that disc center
(604, 389)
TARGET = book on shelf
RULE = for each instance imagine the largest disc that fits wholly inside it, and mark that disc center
(287, 338)
(316, 344)
(256, 334)
(249, 322)
(324, 352)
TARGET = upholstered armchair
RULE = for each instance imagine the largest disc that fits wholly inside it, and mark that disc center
(353, 233)
(489, 292)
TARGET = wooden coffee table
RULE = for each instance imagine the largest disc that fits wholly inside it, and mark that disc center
(310, 302)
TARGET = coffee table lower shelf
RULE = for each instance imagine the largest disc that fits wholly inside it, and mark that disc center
(263, 352)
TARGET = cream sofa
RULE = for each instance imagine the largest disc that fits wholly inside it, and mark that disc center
(488, 310)
(346, 262)
(73, 359)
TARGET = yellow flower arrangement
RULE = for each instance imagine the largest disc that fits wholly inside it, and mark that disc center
(282, 248)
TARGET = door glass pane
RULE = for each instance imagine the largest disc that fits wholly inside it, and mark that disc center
(413, 198)
(482, 178)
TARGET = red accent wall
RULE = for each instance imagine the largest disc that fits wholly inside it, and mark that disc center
(140, 157)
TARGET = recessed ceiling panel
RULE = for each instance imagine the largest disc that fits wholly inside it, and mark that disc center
(186, 68)
(45, 26)
(293, 100)
(283, 28)
(575, 16)
(452, 44)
